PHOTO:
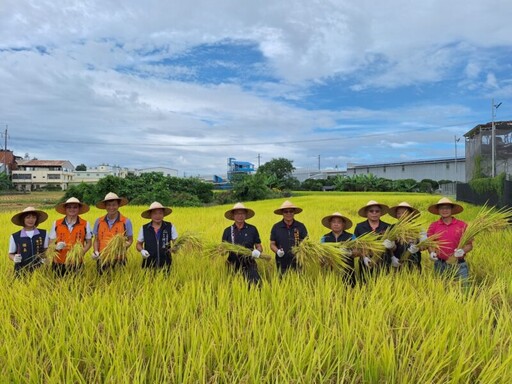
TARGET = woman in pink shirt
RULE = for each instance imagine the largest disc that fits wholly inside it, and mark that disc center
(451, 230)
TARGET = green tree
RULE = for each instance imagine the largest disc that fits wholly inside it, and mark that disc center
(279, 170)
(5, 183)
(81, 167)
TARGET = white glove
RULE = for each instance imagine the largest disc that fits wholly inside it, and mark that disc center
(423, 236)
(17, 258)
(280, 252)
(144, 253)
(95, 255)
(395, 262)
(413, 248)
(255, 254)
(367, 262)
(389, 244)
(60, 246)
(458, 253)
(433, 256)
(42, 260)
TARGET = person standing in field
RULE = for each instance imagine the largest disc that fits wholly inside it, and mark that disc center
(108, 226)
(286, 234)
(404, 209)
(27, 246)
(247, 235)
(155, 238)
(67, 232)
(338, 224)
(451, 230)
(373, 211)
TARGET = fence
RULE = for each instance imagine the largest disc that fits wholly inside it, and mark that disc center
(465, 193)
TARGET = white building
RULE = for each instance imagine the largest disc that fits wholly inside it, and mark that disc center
(37, 174)
(303, 174)
(442, 169)
(94, 174)
(163, 170)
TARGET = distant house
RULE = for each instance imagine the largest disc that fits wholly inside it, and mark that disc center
(479, 149)
(162, 170)
(32, 175)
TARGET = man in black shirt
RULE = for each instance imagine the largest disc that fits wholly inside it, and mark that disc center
(286, 234)
(242, 233)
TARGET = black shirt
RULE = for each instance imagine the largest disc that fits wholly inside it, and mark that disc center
(287, 237)
(247, 236)
(331, 238)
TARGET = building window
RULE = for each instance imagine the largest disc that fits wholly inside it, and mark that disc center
(21, 176)
(403, 168)
(52, 176)
(447, 165)
(367, 170)
(384, 169)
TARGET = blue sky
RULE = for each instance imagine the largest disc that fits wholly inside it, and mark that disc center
(188, 84)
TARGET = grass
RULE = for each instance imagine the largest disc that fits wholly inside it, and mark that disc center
(201, 324)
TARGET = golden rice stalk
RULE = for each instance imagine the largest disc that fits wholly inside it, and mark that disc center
(405, 230)
(51, 252)
(115, 250)
(431, 242)
(75, 256)
(370, 244)
(188, 241)
(488, 219)
(221, 249)
(309, 253)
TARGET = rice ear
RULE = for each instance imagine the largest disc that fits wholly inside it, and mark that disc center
(115, 250)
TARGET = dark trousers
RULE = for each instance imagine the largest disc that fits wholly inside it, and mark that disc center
(285, 263)
(250, 271)
(61, 270)
(109, 266)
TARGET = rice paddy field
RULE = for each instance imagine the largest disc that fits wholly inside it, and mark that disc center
(201, 324)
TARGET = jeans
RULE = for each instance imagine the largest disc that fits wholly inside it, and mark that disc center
(460, 270)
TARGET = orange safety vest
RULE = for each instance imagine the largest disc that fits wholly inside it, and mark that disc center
(76, 235)
(105, 233)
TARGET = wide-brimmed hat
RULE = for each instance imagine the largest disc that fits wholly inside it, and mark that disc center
(61, 208)
(230, 213)
(109, 197)
(326, 221)
(287, 205)
(41, 216)
(155, 205)
(403, 204)
(383, 207)
(456, 208)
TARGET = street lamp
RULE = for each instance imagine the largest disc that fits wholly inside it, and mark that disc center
(494, 107)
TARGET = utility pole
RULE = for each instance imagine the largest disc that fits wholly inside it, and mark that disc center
(456, 140)
(5, 150)
(259, 158)
(494, 107)
(319, 162)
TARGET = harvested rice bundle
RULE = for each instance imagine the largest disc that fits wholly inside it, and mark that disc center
(51, 253)
(310, 253)
(405, 230)
(189, 241)
(221, 249)
(75, 256)
(431, 242)
(115, 250)
(488, 219)
(370, 244)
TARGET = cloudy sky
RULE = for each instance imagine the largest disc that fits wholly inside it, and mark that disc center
(187, 84)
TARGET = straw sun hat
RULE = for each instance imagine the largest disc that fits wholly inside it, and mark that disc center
(109, 197)
(403, 204)
(61, 208)
(383, 207)
(326, 221)
(230, 213)
(287, 205)
(155, 205)
(17, 218)
(456, 208)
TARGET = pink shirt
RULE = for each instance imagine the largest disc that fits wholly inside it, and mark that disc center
(450, 235)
